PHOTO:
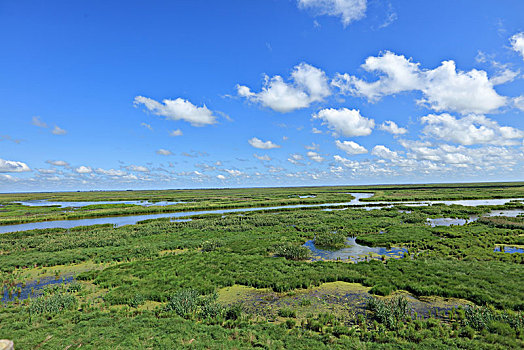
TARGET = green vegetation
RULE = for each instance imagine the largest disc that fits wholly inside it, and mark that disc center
(330, 240)
(247, 281)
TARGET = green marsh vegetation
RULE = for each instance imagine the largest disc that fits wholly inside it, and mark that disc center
(212, 199)
(155, 284)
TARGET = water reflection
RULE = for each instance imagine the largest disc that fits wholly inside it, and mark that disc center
(64, 204)
(450, 221)
(133, 219)
(354, 252)
(509, 249)
(33, 288)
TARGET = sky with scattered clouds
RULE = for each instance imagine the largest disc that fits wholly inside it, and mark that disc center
(191, 94)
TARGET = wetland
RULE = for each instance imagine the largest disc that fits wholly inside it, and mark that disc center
(400, 267)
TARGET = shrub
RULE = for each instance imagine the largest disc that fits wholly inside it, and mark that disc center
(287, 313)
(291, 252)
(330, 239)
(209, 246)
(390, 313)
(52, 303)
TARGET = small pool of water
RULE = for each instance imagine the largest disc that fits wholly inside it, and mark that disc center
(513, 213)
(508, 249)
(64, 204)
(33, 288)
(354, 252)
(449, 221)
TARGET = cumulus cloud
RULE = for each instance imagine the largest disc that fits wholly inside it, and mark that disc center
(176, 132)
(178, 109)
(315, 156)
(351, 147)
(221, 177)
(265, 157)
(347, 122)
(138, 168)
(147, 126)
(57, 162)
(295, 159)
(442, 88)
(486, 158)
(392, 128)
(83, 169)
(308, 84)
(258, 143)
(384, 152)
(36, 121)
(470, 130)
(517, 43)
(110, 172)
(519, 102)
(11, 166)
(58, 131)
(164, 152)
(234, 172)
(347, 10)
(311, 147)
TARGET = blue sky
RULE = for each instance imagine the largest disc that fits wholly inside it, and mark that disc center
(188, 94)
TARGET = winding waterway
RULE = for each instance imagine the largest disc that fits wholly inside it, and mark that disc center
(356, 202)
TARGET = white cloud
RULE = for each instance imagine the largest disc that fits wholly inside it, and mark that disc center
(351, 147)
(178, 109)
(470, 130)
(384, 152)
(347, 10)
(58, 131)
(316, 131)
(257, 143)
(315, 156)
(392, 128)
(519, 102)
(311, 147)
(164, 152)
(221, 177)
(11, 166)
(517, 43)
(443, 88)
(295, 159)
(46, 171)
(233, 172)
(264, 157)
(347, 122)
(83, 169)
(110, 172)
(176, 132)
(36, 121)
(309, 84)
(147, 126)
(138, 168)
(57, 162)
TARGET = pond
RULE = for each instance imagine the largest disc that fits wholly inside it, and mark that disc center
(450, 221)
(33, 288)
(509, 249)
(64, 204)
(354, 252)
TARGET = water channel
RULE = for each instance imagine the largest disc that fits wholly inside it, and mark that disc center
(356, 202)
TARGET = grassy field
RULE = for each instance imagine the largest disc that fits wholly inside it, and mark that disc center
(194, 200)
(241, 281)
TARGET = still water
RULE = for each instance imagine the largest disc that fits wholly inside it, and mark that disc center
(133, 219)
